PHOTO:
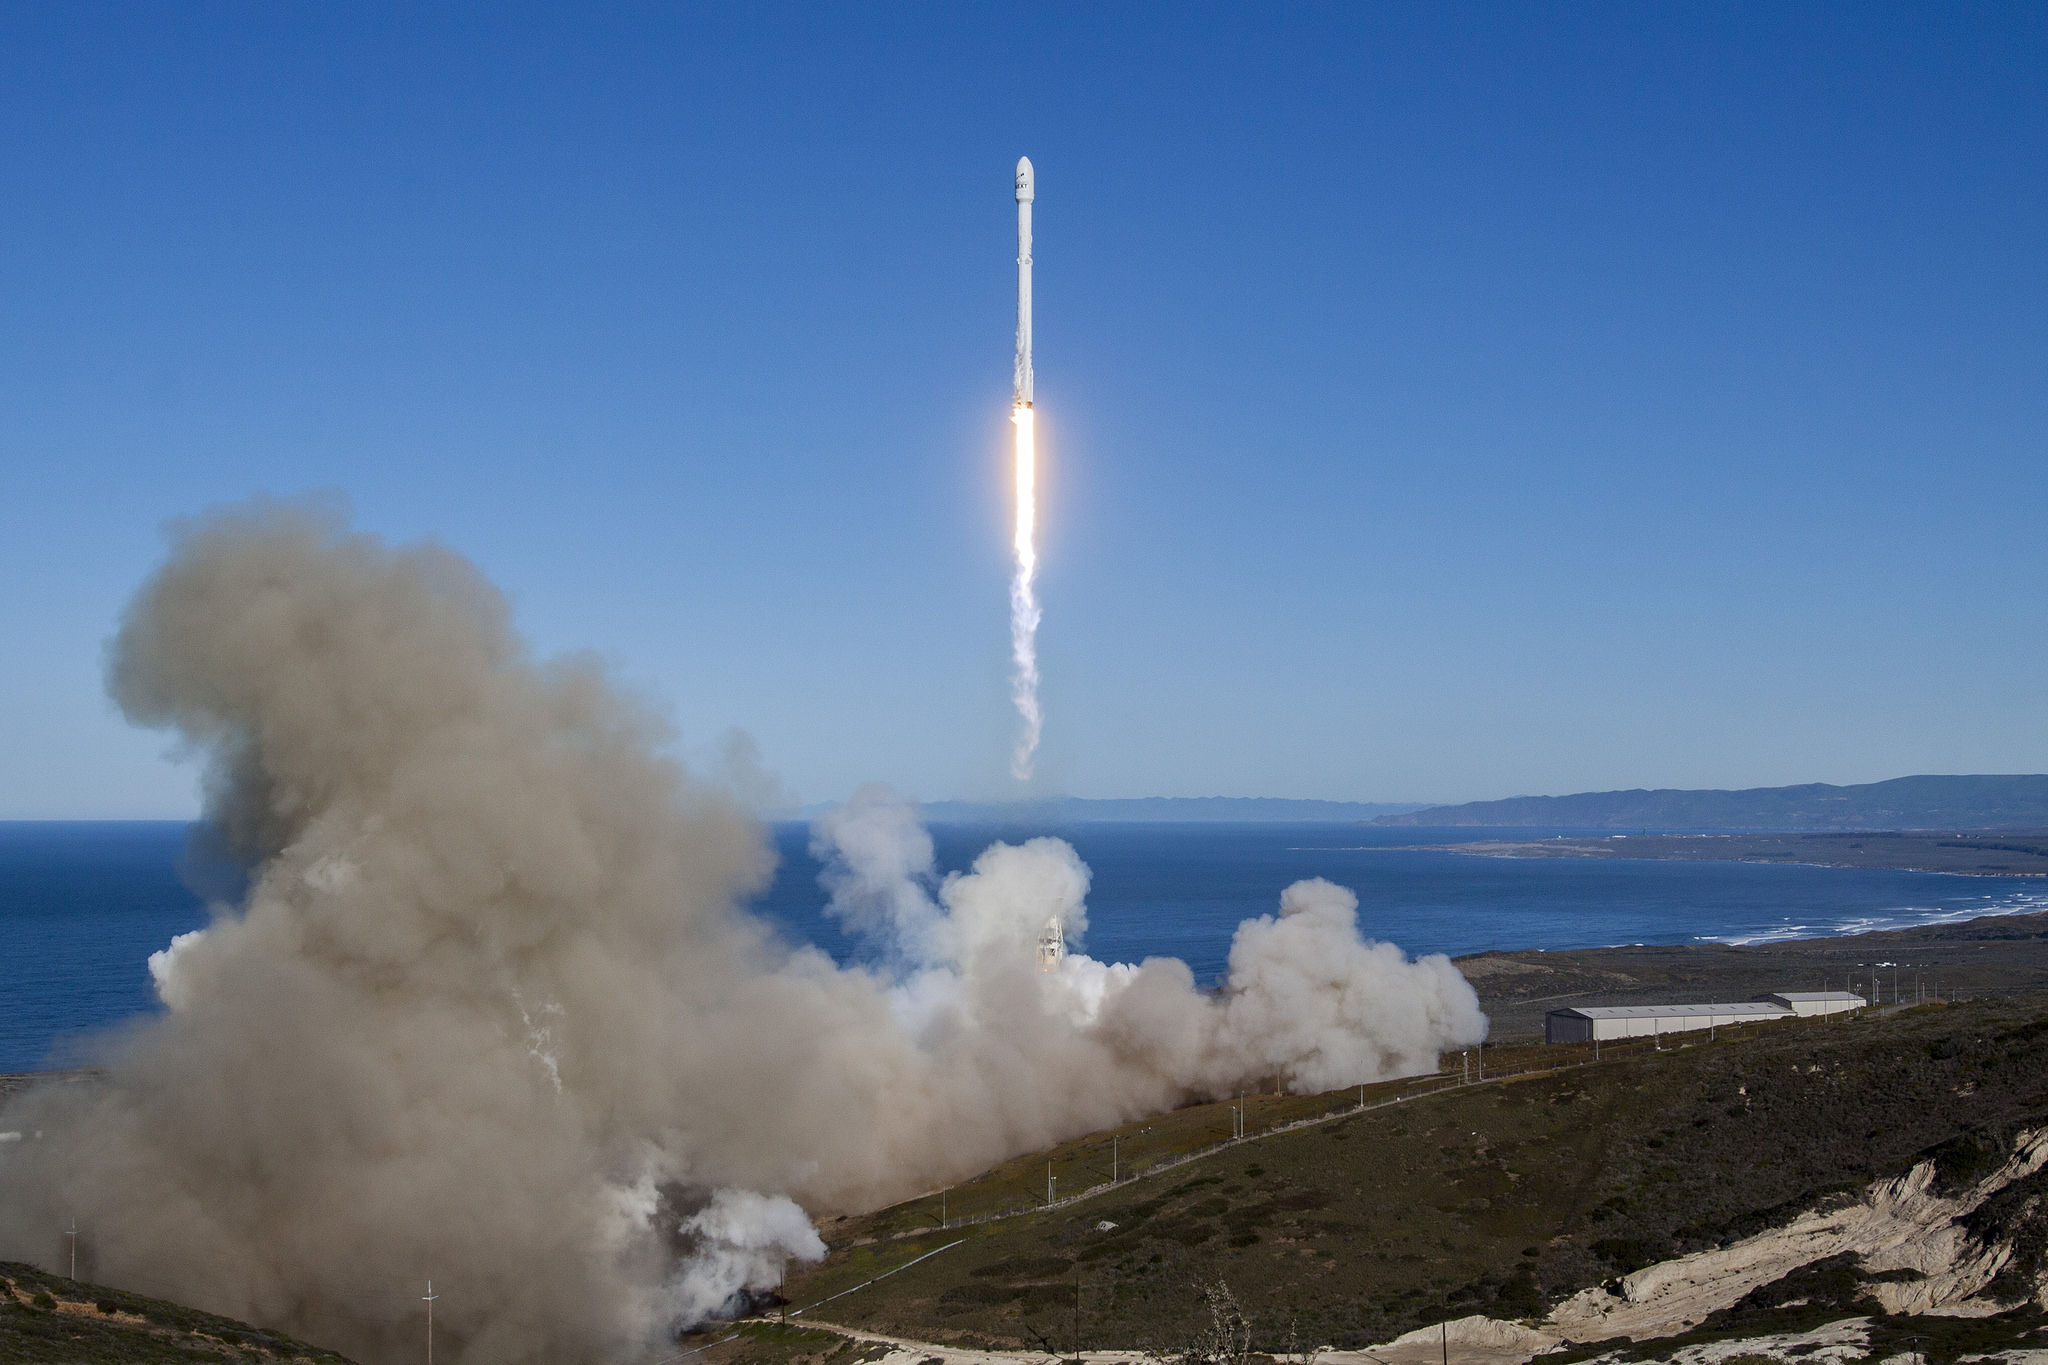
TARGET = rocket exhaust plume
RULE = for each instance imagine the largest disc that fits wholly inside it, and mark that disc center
(1024, 612)
(479, 1015)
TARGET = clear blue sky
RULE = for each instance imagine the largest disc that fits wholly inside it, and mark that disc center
(1439, 402)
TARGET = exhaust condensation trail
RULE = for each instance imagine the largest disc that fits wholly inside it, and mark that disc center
(1024, 612)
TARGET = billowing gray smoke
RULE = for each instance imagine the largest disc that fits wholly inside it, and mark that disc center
(491, 1012)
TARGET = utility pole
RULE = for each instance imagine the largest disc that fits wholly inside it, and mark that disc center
(1077, 1312)
(1112, 1160)
(1465, 1067)
(942, 1210)
(73, 1235)
(1048, 1195)
(429, 1300)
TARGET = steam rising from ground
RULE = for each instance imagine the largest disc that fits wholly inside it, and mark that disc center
(491, 1013)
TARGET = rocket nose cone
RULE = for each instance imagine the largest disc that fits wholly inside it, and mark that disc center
(1024, 187)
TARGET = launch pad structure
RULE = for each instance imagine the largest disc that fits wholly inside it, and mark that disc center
(1052, 945)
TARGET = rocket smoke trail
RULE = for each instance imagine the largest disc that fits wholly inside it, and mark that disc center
(1024, 612)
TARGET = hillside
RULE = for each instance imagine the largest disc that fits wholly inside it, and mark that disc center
(1502, 1199)
(49, 1320)
(1979, 802)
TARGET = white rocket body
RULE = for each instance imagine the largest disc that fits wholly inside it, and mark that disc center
(1024, 197)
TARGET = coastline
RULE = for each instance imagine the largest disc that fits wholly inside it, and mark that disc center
(2019, 854)
(1991, 954)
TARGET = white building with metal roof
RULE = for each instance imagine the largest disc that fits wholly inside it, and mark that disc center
(1807, 1003)
(1586, 1023)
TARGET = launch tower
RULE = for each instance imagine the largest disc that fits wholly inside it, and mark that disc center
(1052, 945)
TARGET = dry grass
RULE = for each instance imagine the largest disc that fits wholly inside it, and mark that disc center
(1496, 1199)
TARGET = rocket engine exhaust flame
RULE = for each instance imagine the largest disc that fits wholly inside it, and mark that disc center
(1024, 613)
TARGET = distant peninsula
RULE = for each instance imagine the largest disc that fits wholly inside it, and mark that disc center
(1076, 810)
(1903, 803)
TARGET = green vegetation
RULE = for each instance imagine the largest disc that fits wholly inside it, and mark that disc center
(775, 1343)
(1156, 1143)
(1497, 1199)
(49, 1320)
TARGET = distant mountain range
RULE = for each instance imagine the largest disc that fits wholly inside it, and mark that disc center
(1981, 802)
(1074, 810)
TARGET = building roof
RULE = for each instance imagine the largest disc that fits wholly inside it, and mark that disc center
(1748, 1007)
(1815, 997)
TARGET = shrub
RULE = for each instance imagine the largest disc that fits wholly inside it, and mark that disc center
(1627, 1253)
(1027, 1267)
(1965, 1159)
(1519, 1297)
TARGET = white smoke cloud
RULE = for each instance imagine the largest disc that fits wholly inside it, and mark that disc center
(491, 1013)
(1312, 1002)
(743, 1239)
(878, 866)
(164, 975)
(1307, 1001)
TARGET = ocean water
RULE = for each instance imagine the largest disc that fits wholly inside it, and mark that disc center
(83, 905)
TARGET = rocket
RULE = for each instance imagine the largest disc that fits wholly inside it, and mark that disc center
(1022, 397)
